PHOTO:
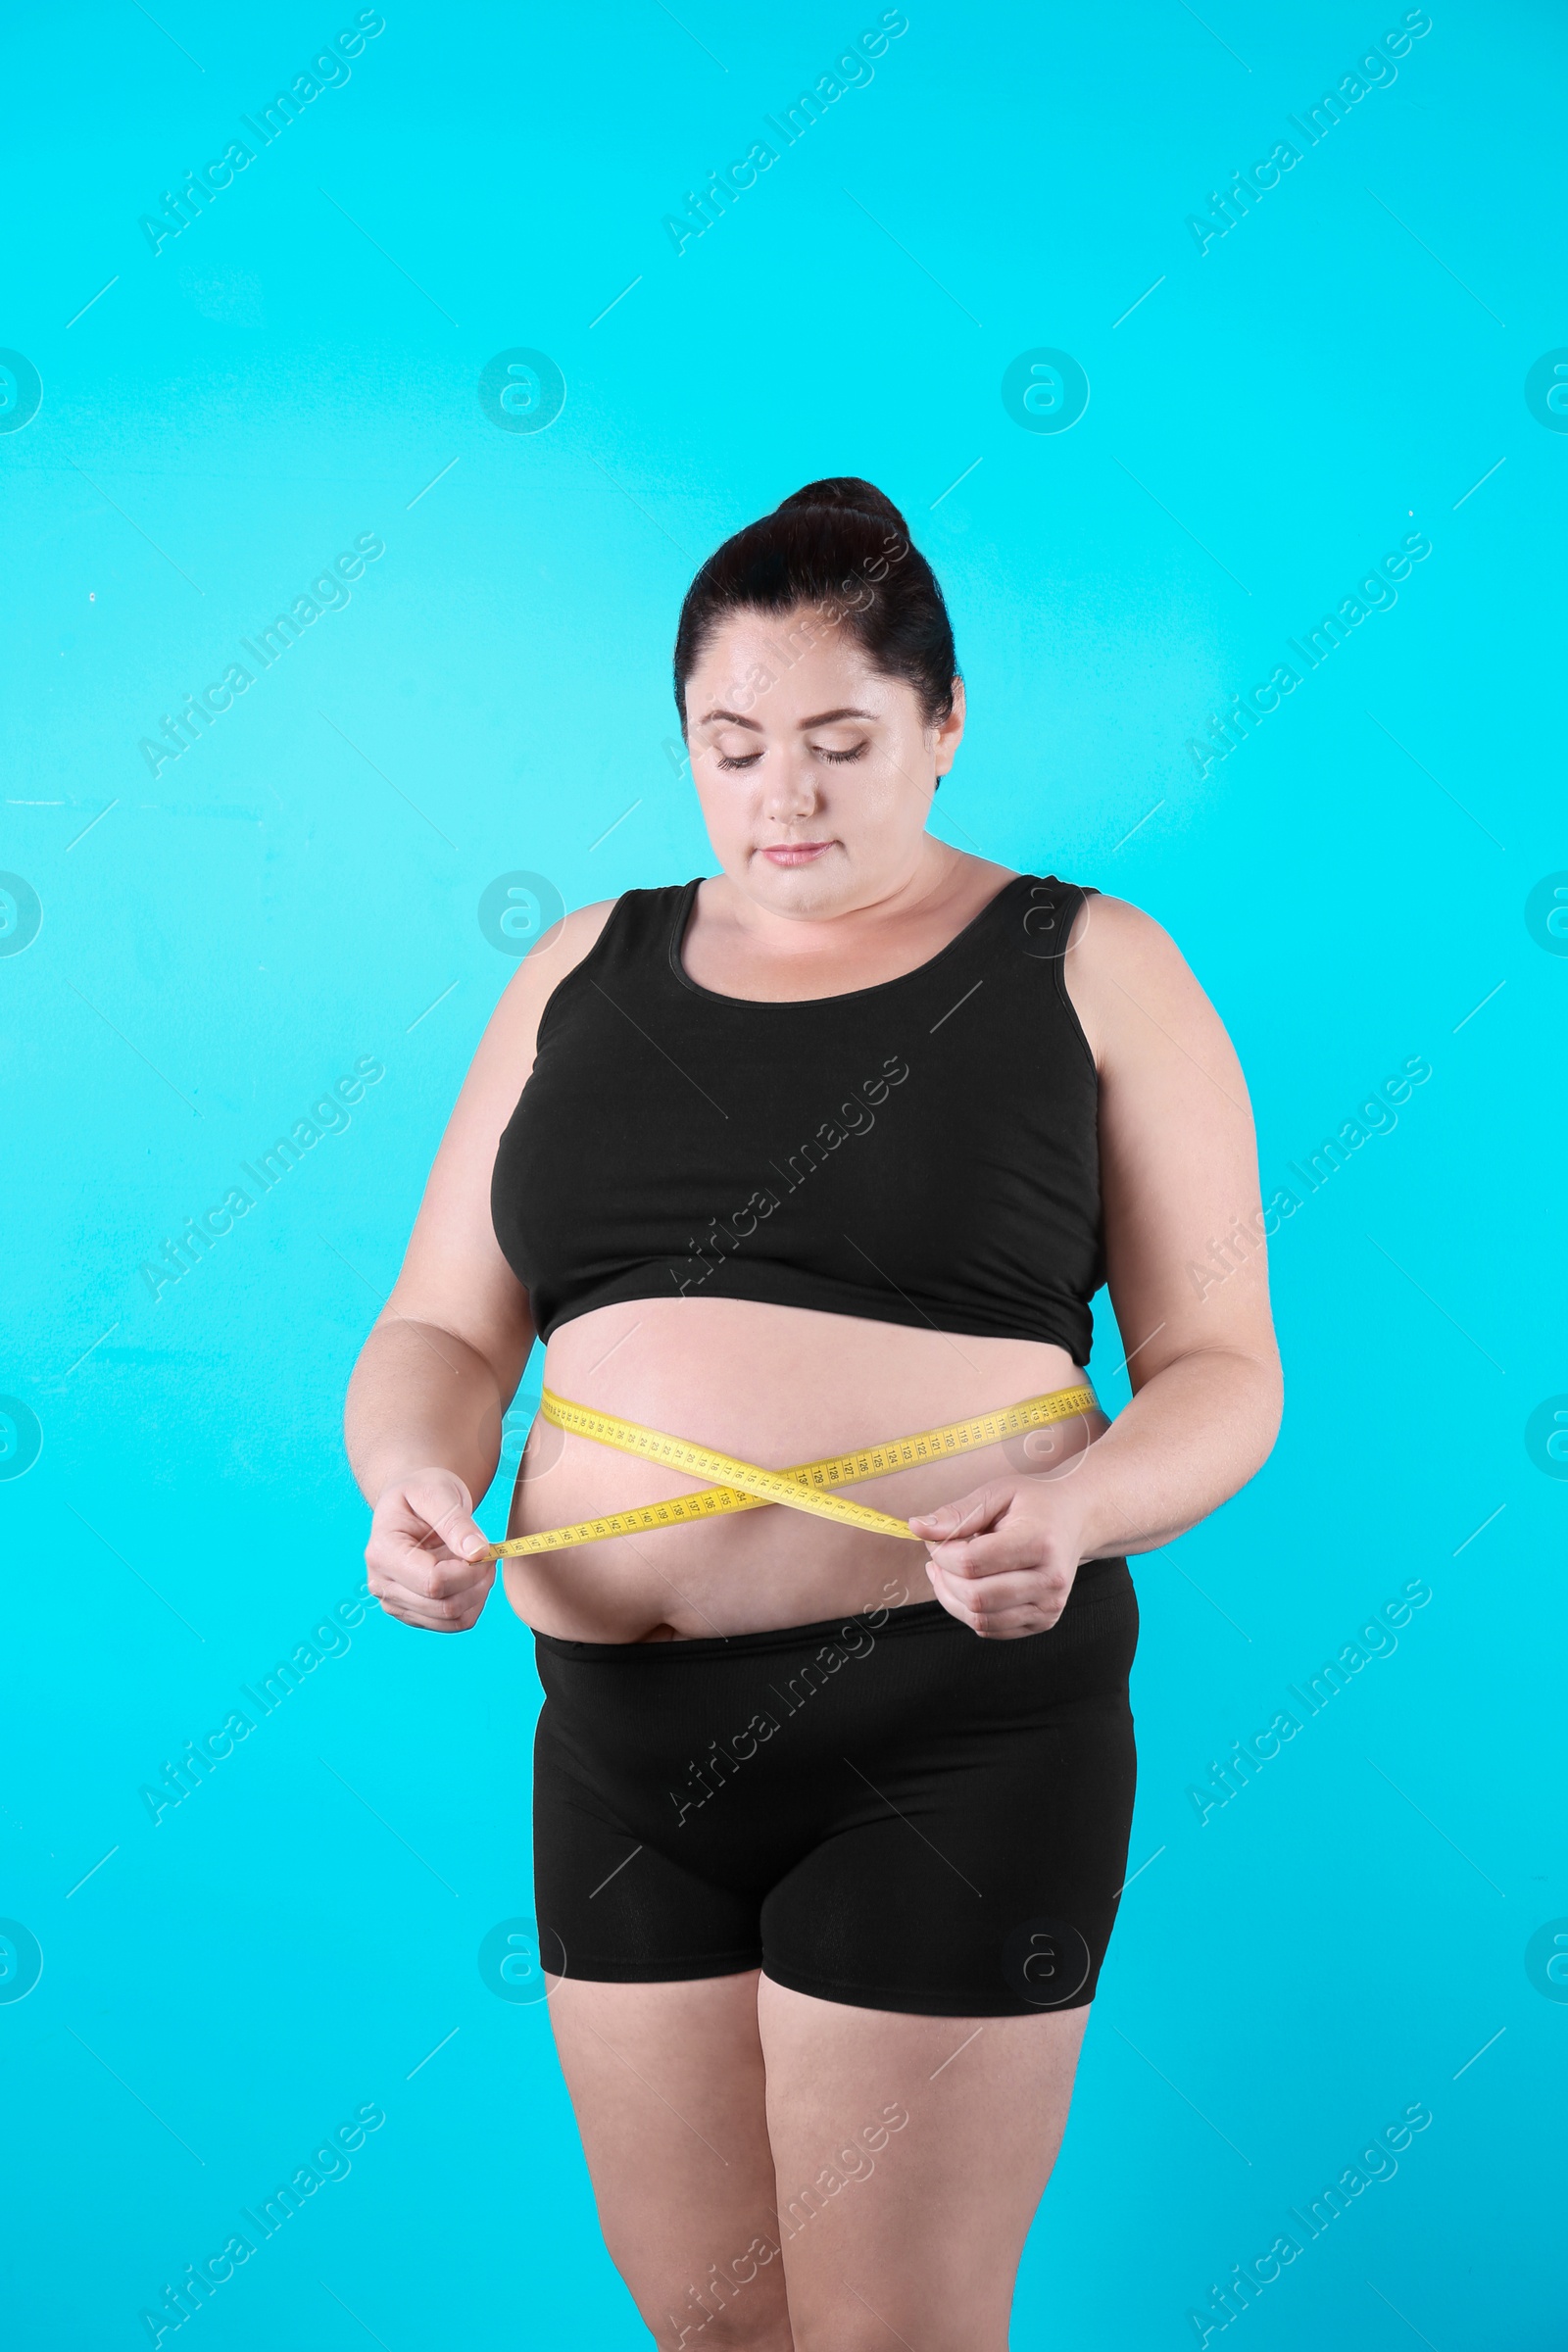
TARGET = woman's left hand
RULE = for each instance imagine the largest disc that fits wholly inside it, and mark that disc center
(1003, 1559)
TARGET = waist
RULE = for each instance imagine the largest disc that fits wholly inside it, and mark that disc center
(774, 1387)
(1096, 1581)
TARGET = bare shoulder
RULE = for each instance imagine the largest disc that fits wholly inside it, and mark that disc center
(1132, 988)
(1111, 937)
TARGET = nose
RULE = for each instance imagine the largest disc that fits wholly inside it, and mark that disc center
(792, 787)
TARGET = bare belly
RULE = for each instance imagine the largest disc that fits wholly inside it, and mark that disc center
(773, 1384)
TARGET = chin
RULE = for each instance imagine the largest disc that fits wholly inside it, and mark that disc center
(804, 888)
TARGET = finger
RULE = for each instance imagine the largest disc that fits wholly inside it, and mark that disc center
(418, 1556)
(441, 1576)
(448, 1515)
(428, 1577)
(1000, 1550)
(445, 1603)
(454, 1615)
(421, 1578)
(994, 1596)
(966, 1517)
(1005, 1606)
(1011, 1628)
(432, 1505)
(432, 1625)
(417, 1577)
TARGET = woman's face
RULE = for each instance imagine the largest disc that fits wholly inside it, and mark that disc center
(815, 772)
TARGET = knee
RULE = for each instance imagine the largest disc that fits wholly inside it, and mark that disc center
(847, 2324)
(840, 2330)
(731, 2330)
(722, 2324)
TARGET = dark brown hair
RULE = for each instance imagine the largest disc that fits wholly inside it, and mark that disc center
(843, 545)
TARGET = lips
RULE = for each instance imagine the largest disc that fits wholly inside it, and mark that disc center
(795, 853)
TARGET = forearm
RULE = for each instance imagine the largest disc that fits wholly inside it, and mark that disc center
(1188, 1441)
(422, 1398)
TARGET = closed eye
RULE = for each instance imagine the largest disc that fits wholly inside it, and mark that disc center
(838, 759)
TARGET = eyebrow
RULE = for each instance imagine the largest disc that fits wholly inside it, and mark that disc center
(824, 718)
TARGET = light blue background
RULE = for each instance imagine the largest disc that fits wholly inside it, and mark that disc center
(300, 889)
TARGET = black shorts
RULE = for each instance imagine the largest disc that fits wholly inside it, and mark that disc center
(883, 1810)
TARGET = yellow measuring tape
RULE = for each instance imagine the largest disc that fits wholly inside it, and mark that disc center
(802, 1487)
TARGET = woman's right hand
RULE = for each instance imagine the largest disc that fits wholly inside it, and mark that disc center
(422, 1554)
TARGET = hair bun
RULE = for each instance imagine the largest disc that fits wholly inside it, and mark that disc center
(847, 490)
(822, 548)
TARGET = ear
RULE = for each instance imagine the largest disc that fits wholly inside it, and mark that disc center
(949, 731)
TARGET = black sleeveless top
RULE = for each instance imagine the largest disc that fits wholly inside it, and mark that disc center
(923, 1151)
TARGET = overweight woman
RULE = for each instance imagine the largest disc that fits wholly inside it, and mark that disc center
(805, 1174)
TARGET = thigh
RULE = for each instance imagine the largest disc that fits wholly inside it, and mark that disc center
(667, 2087)
(979, 1802)
(910, 2153)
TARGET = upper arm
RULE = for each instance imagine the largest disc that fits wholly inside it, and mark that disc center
(454, 1274)
(1185, 1254)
